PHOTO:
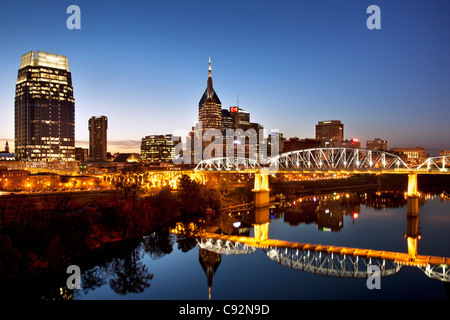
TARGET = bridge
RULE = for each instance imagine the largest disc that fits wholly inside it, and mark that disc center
(327, 160)
(316, 160)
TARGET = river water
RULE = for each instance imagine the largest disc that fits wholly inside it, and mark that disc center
(168, 264)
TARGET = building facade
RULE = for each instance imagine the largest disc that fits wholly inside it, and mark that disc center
(98, 127)
(329, 131)
(210, 107)
(376, 144)
(44, 109)
(412, 156)
(159, 148)
(295, 143)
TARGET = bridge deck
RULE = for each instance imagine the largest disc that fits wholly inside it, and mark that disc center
(402, 258)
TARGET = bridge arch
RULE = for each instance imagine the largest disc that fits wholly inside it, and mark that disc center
(314, 159)
(228, 164)
(330, 159)
(440, 164)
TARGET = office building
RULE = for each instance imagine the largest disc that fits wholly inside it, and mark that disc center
(98, 127)
(44, 109)
(329, 132)
(353, 143)
(412, 156)
(81, 154)
(376, 144)
(210, 107)
(295, 143)
(159, 148)
(227, 121)
(240, 118)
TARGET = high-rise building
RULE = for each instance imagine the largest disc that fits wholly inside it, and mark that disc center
(227, 121)
(210, 107)
(44, 108)
(329, 132)
(240, 117)
(98, 127)
(159, 148)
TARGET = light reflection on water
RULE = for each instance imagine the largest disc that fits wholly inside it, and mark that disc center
(170, 266)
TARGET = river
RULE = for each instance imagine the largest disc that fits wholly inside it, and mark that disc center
(170, 265)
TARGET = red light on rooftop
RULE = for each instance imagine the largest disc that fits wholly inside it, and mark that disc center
(355, 139)
(355, 215)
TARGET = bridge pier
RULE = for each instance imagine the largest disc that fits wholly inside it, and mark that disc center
(261, 190)
(412, 215)
(413, 196)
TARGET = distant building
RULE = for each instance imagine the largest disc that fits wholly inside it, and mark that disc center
(6, 148)
(81, 154)
(444, 153)
(353, 143)
(240, 118)
(5, 154)
(159, 148)
(295, 143)
(227, 121)
(329, 131)
(272, 140)
(376, 144)
(127, 158)
(210, 107)
(411, 155)
(98, 127)
(44, 109)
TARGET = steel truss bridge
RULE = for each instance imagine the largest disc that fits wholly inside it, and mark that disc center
(328, 159)
(327, 260)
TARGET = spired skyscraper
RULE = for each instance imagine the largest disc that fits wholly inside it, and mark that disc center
(44, 109)
(210, 107)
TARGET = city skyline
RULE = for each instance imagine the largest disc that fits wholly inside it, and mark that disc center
(291, 64)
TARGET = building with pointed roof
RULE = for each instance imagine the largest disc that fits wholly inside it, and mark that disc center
(210, 107)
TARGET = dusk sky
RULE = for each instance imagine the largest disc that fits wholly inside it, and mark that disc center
(144, 65)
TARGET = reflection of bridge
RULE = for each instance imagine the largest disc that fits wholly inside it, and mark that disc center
(326, 260)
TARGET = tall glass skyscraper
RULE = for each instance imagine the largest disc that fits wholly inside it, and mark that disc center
(44, 109)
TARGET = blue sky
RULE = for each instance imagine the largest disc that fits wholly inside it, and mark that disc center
(144, 65)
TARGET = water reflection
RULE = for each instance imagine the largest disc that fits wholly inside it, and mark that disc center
(327, 212)
(123, 271)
